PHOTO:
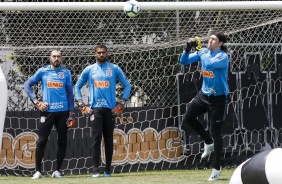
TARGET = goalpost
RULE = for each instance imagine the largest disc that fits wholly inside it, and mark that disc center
(148, 135)
(147, 6)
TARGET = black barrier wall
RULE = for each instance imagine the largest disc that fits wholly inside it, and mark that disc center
(138, 131)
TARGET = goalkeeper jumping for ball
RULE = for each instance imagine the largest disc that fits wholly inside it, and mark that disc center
(212, 97)
(56, 108)
(102, 80)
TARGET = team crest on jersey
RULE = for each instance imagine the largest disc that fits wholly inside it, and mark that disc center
(61, 75)
(109, 73)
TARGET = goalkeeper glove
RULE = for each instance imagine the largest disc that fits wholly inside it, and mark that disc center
(193, 42)
(71, 120)
(42, 106)
(117, 111)
(85, 110)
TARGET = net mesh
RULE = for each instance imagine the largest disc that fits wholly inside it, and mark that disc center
(147, 48)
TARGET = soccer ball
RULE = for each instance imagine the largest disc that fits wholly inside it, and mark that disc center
(131, 8)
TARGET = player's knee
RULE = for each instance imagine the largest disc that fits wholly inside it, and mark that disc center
(42, 141)
(186, 119)
(217, 120)
(189, 120)
(97, 135)
(184, 126)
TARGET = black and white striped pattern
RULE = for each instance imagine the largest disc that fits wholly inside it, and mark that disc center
(263, 168)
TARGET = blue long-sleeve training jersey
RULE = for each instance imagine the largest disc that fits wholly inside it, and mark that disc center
(102, 80)
(214, 69)
(56, 87)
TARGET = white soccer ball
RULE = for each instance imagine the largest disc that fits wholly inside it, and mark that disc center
(131, 8)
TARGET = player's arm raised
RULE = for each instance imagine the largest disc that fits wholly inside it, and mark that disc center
(187, 57)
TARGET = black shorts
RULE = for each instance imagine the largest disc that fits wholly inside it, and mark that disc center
(216, 107)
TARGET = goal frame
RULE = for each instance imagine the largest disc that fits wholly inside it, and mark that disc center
(91, 6)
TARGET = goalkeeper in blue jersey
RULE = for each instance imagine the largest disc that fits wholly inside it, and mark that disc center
(56, 108)
(212, 97)
(102, 80)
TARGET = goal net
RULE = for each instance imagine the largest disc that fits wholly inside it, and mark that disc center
(147, 48)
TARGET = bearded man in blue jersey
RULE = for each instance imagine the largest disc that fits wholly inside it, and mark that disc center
(56, 108)
(212, 97)
(102, 80)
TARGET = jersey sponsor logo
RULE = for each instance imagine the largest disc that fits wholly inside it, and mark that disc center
(208, 74)
(101, 102)
(61, 75)
(101, 84)
(56, 105)
(51, 84)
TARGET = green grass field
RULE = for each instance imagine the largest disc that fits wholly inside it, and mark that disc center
(147, 177)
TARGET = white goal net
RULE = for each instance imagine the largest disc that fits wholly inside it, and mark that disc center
(147, 48)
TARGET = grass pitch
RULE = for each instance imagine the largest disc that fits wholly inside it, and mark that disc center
(146, 177)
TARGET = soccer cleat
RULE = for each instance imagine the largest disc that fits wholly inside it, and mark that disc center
(37, 175)
(56, 174)
(107, 174)
(207, 150)
(95, 175)
(214, 175)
